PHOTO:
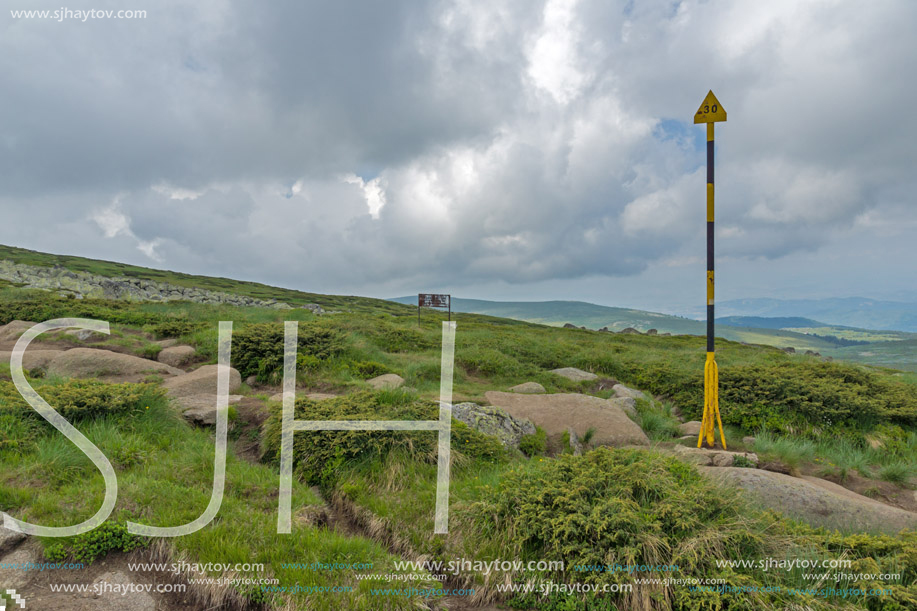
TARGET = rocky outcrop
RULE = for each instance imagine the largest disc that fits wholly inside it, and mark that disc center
(555, 413)
(493, 421)
(574, 374)
(819, 503)
(201, 381)
(83, 284)
(91, 363)
(528, 388)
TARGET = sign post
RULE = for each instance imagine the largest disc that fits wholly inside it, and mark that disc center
(432, 300)
(710, 112)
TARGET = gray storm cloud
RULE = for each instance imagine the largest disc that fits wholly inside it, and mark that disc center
(380, 146)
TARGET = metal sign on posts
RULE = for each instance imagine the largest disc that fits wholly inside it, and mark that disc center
(432, 300)
(710, 112)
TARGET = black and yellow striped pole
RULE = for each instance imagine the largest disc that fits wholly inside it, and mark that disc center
(710, 112)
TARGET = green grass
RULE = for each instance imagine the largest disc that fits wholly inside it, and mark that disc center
(165, 472)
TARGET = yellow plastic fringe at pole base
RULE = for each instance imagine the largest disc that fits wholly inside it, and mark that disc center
(711, 405)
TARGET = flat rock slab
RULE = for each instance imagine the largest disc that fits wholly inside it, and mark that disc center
(712, 458)
(387, 380)
(176, 356)
(201, 381)
(819, 504)
(555, 413)
(91, 363)
(528, 388)
(572, 373)
(31, 359)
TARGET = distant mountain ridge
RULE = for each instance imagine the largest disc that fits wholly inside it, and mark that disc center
(858, 312)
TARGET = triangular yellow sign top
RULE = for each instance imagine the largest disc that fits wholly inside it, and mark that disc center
(710, 111)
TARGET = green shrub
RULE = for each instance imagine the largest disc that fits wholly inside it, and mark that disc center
(536, 443)
(82, 399)
(87, 547)
(367, 369)
(173, 328)
(257, 349)
(319, 455)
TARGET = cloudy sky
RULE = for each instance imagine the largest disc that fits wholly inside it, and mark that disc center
(502, 149)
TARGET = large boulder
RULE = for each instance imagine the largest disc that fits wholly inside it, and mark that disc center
(493, 421)
(386, 380)
(572, 373)
(91, 363)
(201, 381)
(176, 356)
(528, 388)
(815, 501)
(555, 413)
(628, 405)
(202, 409)
(31, 359)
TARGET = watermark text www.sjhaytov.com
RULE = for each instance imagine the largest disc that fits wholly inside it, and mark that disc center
(66, 14)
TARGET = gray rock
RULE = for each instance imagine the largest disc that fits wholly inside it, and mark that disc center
(493, 421)
(176, 356)
(625, 391)
(651, 331)
(574, 374)
(712, 458)
(201, 381)
(630, 331)
(555, 413)
(692, 427)
(627, 404)
(749, 441)
(314, 308)
(91, 363)
(202, 409)
(815, 501)
(529, 388)
(9, 539)
(575, 444)
(569, 326)
(84, 334)
(386, 380)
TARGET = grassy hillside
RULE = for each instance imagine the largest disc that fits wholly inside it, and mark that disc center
(788, 332)
(238, 287)
(602, 508)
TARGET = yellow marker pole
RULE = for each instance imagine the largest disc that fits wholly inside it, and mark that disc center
(710, 112)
